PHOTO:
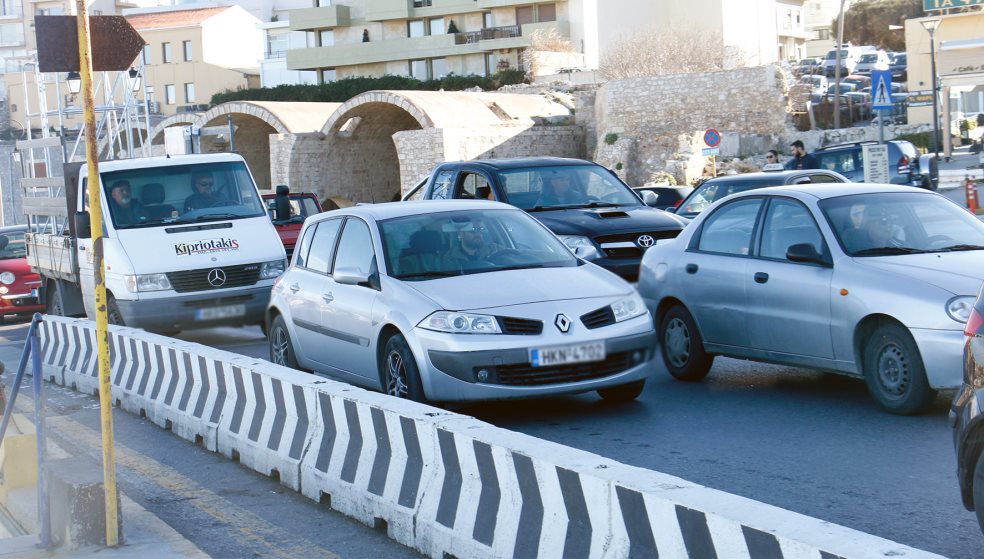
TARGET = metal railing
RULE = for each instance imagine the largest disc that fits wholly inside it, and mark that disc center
(505, 32)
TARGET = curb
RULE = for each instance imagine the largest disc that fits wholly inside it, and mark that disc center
(439, 482)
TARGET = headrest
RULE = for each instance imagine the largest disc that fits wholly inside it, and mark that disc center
(152, 193)
(426, 240)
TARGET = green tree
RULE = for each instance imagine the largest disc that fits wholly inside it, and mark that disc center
(866, 22)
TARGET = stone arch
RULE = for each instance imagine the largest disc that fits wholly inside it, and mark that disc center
(180, 119)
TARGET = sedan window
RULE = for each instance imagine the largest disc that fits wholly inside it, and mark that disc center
(729, 229)
(788, 223)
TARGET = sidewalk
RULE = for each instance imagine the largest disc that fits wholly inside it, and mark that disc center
(961, 165)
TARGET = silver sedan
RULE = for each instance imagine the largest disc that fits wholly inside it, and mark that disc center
(456, 300)
(867, 280)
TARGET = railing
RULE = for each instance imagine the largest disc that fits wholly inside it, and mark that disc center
(274, 55)
(506, 32)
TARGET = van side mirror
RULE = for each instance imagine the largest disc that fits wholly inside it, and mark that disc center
(807, 253)
(83, 227)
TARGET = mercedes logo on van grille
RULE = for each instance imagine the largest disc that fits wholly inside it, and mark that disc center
(216, 278)
(646, 241)
(562, 323)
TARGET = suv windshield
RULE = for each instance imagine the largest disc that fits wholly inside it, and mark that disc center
(567, 186)
(167, 195)
(450, 244)
(12, 245)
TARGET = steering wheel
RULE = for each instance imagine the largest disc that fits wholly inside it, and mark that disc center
(938, 241)
(505, 257)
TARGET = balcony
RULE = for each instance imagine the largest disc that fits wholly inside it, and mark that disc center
(489, 4)
(328, 17)
(487, 34)
(382, 10)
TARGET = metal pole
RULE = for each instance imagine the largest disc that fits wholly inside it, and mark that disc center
(43, 505)
(936, 112)
(232, 134)
(837, 68)
(16, 386)
(881, 126)
(96, 221)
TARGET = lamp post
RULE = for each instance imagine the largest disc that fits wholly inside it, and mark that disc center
(74, 82)
(931, 25)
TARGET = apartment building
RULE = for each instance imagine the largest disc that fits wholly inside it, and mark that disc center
(428, 39)
(819, 17)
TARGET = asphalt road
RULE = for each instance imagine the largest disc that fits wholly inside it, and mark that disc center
(809, 442)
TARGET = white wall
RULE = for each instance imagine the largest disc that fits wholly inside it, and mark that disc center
(751, 26)
(275, 72)
(614, 20)
(231, 39)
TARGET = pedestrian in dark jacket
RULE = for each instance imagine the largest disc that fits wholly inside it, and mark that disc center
(281, 204)
(801, 159)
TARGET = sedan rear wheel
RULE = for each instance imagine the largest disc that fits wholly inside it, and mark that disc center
(399, 370)
(281, 349)
(894, 371)
(682, 346)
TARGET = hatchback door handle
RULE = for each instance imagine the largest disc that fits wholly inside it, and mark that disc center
(761, 277)
(327, 297)
(294, 288)
(691, 268)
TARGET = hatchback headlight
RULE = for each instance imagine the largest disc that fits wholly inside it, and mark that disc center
(147, 282)
(7, 278)
(582, 247)
(461, 323)
(269, 270)
(629, 307)
(959, 308)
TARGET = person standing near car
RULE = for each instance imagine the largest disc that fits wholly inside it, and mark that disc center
(771, 157)
(801, 159)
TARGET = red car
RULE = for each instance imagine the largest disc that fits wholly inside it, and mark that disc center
(302, 205)
(18, 284)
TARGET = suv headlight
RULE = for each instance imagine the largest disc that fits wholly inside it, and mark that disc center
(461, 323)
(582, 247)
(959, 308)
(7, 278)
(629, 307)
(269, 270)
(147, 282)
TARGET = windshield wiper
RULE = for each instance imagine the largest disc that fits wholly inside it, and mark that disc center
(428, 275)
(882, 251)
(547, 208)
(957, 248)
(600, 205)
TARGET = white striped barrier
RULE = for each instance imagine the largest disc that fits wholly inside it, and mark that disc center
(442, 483)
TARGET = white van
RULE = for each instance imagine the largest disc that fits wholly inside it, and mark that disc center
(849, 58)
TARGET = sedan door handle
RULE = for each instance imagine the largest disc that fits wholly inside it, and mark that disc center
(327, 297)
(691, 268)
(761, 277)
(294, 288)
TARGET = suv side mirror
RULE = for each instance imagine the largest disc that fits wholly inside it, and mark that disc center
(807, 253)
(83, 227)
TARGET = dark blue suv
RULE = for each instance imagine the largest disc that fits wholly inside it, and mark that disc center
(905, 165)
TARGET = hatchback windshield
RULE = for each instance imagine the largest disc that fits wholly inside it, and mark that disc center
(156, 196)
(12, 245)
(568, 186)
(469, 242)
(901, 223)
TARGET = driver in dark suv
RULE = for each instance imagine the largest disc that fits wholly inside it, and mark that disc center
(204, 197)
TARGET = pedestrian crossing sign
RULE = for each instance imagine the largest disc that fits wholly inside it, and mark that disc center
(881, 89)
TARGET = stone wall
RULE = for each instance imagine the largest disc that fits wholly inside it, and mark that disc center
(419, 152)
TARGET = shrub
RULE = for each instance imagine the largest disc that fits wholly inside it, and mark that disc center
(662, 177)
(922, 140)
(619, 166)
(611, 138)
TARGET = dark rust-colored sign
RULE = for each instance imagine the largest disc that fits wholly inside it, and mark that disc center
(115, 43)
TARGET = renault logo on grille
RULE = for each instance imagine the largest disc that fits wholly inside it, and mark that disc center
(646, 241)
(216, 278)
(563, 323)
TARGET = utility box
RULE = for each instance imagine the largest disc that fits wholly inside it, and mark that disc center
(18, 456)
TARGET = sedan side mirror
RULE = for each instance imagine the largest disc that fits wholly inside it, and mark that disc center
(649, 198)
(83, 227)
(807, 253)
(350, 276)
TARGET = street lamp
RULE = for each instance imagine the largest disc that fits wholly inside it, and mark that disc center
(74, 81)
(931, 25)
(133, 77)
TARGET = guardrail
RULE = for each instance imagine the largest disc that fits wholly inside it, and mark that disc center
(439, 482)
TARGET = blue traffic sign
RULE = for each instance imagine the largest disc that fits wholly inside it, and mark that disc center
(881, 89)
(712, 137)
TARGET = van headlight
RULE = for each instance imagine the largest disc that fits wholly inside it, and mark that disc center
(461, 323)
(629, 307)
(959, 308)
(582, 247)
(270, 270)
(147, 282)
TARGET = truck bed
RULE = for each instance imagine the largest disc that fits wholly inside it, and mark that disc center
(52, 256)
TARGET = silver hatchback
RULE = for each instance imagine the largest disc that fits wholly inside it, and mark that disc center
(866, 280)
(454, 301)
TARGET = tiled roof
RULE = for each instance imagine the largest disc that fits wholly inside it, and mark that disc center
(180, 18)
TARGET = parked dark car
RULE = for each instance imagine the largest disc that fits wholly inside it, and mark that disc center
(899, 66)
(666, 196)
(905, 165)
(966, 416)
(717, 188)
(599, 217)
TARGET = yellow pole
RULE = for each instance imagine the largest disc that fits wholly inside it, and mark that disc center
(96, 220)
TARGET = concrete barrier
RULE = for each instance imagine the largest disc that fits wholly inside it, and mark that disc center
(439, 482)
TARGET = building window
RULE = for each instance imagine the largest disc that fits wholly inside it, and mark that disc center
(489, 64)
(188, 54)
(310, 39)
(146, 54)
(11, 34)
(486, 19)
(422, 3)
(436, 26)
(438, 68)
(149, 93)
(322, 3)
(166, 50)
(823, 34)
(418, 69)
(169, 94)
(546, 12)
(189, 93)
(326, 76)
(416, 28)
(327, 37)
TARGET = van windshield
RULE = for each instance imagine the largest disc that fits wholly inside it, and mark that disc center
(155, 196)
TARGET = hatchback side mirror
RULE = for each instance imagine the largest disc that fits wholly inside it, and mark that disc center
(350, 276)
(83, 227)
(807, 253)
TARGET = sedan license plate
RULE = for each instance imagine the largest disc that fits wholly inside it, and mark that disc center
(564, 354)
(218, 313)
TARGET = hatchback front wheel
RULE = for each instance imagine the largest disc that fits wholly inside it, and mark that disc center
(281, 348)
(401, 378)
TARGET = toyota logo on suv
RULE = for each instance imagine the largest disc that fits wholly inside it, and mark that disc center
(646, 241)
(216, 278)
